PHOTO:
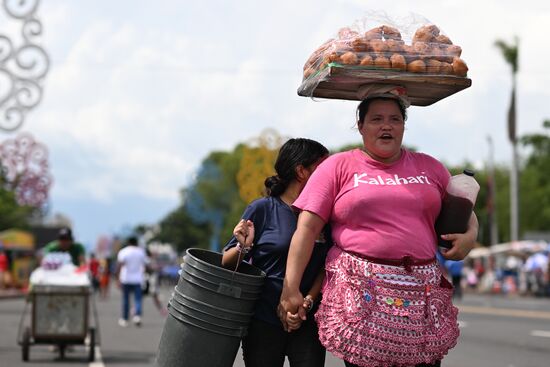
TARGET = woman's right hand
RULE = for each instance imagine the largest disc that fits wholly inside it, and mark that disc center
(244, 233)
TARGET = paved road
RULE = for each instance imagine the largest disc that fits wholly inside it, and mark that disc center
(496, 332)
(502, 332)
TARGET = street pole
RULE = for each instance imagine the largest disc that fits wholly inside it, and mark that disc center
(514, 215)
(492, 195)
(514, 171)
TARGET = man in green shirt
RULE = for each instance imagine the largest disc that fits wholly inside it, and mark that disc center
(65, 243)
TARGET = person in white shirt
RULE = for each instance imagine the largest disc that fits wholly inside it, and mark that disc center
(131, 265)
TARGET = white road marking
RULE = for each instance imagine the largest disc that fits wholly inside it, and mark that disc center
(541, 333)
(98, 361)
(531, 314)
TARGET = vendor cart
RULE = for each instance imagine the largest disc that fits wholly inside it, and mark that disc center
(60, 317)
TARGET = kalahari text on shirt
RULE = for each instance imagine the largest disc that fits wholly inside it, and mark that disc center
(364, 178)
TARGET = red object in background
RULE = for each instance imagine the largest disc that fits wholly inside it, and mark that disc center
(3, 262)
(82, 269)
(93, 265)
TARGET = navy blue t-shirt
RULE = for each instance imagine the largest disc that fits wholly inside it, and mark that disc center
(274, 225)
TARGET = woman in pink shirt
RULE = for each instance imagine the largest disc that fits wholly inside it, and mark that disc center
(385, 300)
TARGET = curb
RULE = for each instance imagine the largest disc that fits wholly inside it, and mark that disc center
(12, 294)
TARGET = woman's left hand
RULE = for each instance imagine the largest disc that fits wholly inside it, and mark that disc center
(462, 246)
(462, 243)
(293, 321)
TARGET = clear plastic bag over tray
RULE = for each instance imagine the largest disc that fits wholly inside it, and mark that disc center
(378, 50)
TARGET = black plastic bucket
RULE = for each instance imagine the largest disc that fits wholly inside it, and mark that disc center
(209, 312)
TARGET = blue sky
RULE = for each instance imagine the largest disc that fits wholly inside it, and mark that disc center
(139, 92)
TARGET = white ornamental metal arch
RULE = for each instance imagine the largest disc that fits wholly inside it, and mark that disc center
(23, 64)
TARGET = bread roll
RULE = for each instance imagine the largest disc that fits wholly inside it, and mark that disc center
(395, 45)
(390, 33)
(367, 60)
(443, 39)
(421, 49)
(375, 33)
(459, 67)
(317, 55)
(378, 45)
(440, 54)
(445, 68)
(426, 33)
(382, 62)
(349, 58)
(398, 62)
(453, 50)
(447, 53)
(408, 52)
(416, 66)
(359, 44)
(433, 66)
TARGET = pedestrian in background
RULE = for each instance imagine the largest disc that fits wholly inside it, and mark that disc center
(455, 269)
(4, 269)
(104, 277)
(153, 272)
(131, 265)
(93, 269)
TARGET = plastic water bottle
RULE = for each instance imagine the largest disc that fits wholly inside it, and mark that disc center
(458, 204)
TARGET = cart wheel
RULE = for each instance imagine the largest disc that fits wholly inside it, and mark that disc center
(62, 351)
(91, 356)
(26, 345)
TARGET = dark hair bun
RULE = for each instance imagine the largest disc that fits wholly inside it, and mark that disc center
(274, 186)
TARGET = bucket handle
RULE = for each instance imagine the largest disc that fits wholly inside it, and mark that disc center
(230, 289)
(236, 266)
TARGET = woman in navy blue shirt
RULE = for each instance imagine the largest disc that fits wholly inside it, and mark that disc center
(262, 237)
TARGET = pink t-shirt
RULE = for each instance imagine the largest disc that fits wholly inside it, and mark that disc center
(381, 210)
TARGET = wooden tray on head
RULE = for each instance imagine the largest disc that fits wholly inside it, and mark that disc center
(341, 82)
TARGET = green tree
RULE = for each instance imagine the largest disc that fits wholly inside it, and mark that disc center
(483, 203)
(535, 182)
(210, 206)
(179, 229)
(12, 215)
(256, 164)
(218, 195)
(534, 191)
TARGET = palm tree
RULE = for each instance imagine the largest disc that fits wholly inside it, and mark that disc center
(510, 53)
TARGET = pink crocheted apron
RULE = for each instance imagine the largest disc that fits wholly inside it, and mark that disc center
(377, 314)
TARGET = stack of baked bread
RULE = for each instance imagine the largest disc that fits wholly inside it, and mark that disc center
(429, 52)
